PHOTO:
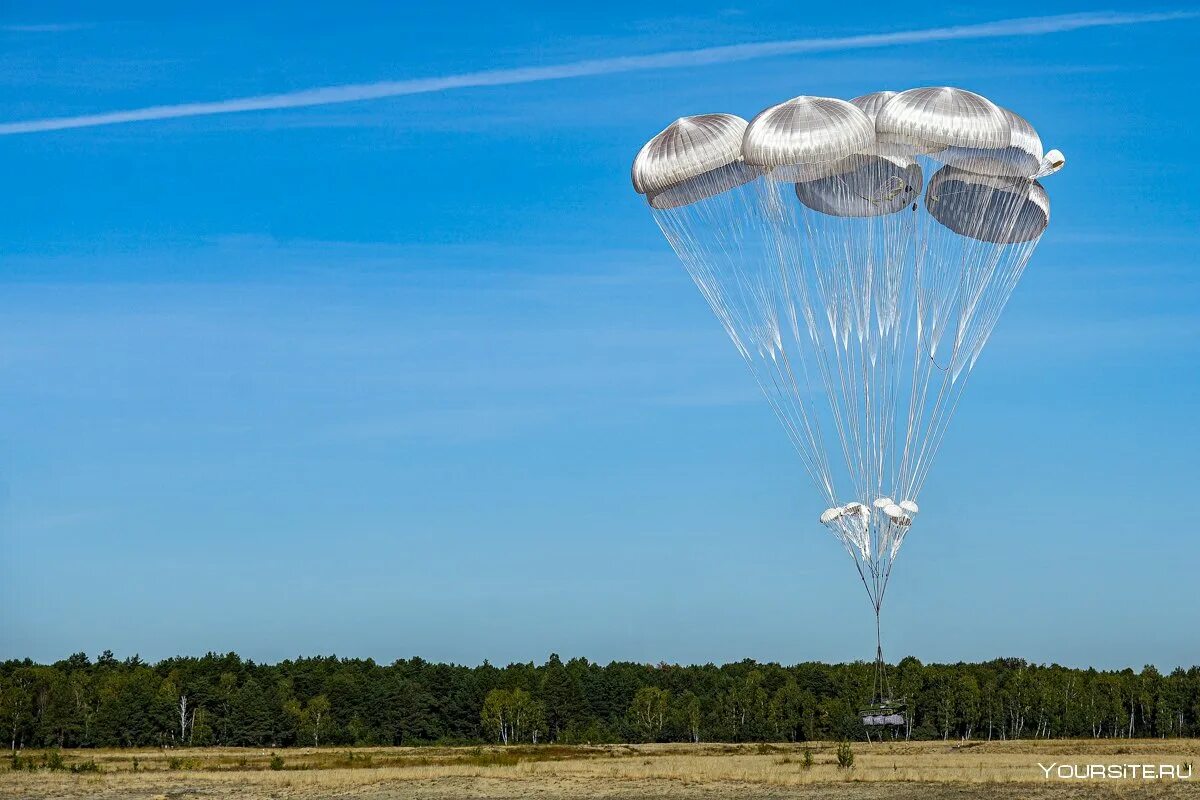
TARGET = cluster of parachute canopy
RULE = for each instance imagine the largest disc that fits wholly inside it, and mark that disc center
(858, 253)
(823, 143)
(853, 521)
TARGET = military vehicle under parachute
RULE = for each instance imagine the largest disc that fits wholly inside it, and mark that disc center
(859, 254)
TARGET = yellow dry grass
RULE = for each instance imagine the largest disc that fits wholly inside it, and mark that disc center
(993, 770)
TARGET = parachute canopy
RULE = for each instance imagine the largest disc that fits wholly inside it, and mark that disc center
(687, 148)
(988, 208)
(934, 118)
(807, 136)
(864, 186)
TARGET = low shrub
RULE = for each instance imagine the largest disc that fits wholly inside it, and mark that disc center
(845, 755)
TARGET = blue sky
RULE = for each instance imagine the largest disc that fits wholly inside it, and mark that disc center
(419, 376)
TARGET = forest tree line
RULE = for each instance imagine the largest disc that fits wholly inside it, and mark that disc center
(230, 701)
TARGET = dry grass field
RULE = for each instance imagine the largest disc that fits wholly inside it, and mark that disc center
(935, 770)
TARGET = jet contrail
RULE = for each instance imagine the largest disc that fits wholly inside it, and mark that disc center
(349, 93)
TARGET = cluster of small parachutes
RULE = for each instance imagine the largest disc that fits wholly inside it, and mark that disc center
(860, 308)
(853, 522)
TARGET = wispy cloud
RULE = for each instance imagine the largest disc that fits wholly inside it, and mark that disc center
(327, 95)
(44, 27)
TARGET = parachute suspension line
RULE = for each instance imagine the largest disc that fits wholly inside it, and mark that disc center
(844, 415)
(793, 288)
(722, 251)
(846, 346)
(988, 272)
(851, 301)
(1019, 255)
(881, 690)
(779, 277)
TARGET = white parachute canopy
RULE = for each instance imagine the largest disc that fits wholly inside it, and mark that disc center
(859, 305)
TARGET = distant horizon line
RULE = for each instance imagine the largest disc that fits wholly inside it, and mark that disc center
(214, 655)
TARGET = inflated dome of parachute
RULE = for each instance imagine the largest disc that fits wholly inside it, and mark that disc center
(1021, 158)
(864, 186)
(873, 102)
(943, 116)
(807, 135)
(871, 105)
(860, 306)
(687, 148)
(986, 207)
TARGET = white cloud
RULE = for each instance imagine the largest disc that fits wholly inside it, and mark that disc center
(45, 27)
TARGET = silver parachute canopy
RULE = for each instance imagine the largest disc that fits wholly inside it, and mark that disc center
(865, 186)
(704, 186)
(937, 117)
(871, 104)
(1022, 158)
(806, 137)
(687, 148)
(988, 208)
